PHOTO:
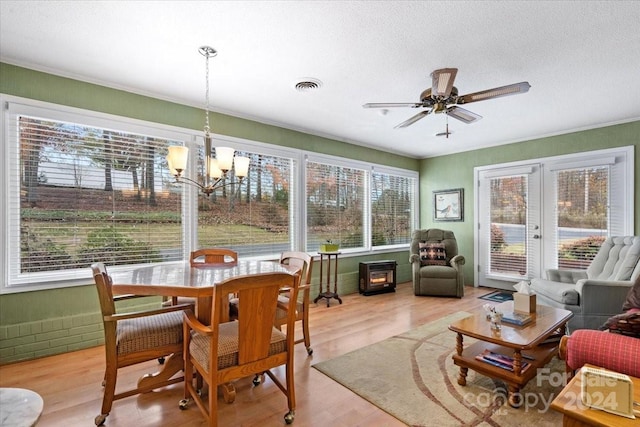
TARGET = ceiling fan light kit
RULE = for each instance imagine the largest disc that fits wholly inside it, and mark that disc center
(443, 97)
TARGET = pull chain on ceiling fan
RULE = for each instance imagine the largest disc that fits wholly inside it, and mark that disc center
(443, 97)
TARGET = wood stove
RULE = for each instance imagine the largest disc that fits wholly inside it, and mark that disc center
(377, 277)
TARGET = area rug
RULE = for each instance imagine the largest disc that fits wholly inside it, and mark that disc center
(412, 377)
(498, 296)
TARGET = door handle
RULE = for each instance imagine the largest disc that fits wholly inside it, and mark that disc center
(536, 236)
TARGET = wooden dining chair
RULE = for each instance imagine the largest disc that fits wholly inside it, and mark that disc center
(132, 338)
(202, 258)
(229, 350)
(213, 256)
(304, 262)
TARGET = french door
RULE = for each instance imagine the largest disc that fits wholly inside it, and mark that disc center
(509, 228)
(551, 213)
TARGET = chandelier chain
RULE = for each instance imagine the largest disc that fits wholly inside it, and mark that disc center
(206, 109)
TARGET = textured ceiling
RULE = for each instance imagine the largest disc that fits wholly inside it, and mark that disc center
(582, 60)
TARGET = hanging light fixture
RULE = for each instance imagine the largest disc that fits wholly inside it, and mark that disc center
(215, 168)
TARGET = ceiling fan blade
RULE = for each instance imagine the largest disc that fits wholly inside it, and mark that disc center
(462, 115)
(392, 104)
(497, 92)
(412, 120)
(442, 81)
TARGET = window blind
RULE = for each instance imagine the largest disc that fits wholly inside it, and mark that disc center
(581, 214)
(336, 199)
(392, 208)
(88, 194)
(256, 216)
(508, 255)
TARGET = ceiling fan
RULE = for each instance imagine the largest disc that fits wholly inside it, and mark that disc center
(442, 97)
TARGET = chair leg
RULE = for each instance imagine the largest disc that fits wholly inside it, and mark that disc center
(228, 392)
(110, 377)
(291, 392)
(305, 332)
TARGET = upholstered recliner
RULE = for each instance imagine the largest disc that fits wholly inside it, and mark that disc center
(598, 293)
(436, 272)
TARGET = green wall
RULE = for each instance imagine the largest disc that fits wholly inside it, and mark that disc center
(40, 323)
(456, 171)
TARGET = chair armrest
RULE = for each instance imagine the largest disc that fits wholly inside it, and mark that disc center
(414, 258)
(457, 260)
(117, 298)
(192, 321)
(136, 314)
(566, 276)
(602, 296)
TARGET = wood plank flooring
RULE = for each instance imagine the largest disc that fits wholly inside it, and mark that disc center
(70, 384)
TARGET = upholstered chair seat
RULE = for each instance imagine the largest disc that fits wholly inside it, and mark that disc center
(144, 333)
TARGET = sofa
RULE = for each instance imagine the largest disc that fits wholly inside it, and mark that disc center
(598, 293)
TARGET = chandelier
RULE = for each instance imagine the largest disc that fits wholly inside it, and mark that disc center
(215, 168)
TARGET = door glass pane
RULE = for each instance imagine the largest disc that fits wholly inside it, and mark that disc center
(508, 218)
(581, 215)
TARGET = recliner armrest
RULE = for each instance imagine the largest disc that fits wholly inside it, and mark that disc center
(457, 260)
(414, 258)
(602, 296)
(566, 276)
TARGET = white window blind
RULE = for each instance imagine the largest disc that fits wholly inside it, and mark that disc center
(393, 208)
(508, 221)
(87, 194)
(581, 214)
(255, 217)
(336, 200)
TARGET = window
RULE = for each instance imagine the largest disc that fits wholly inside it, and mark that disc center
(392, 208)
(581, 214)
(359, 206)
(81, 187)
(336, 205)
(255, 217)
(87, 193)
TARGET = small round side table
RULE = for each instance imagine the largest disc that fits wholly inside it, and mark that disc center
(19, 407)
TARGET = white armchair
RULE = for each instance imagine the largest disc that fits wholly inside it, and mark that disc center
(599, 292)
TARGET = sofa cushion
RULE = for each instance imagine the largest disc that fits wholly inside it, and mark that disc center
(432, 253)
(617, 259)
(562, 293)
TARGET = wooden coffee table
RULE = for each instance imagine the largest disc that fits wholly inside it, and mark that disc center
(522, 343)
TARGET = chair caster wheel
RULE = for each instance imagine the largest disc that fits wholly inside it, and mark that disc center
(100, 419)
(161, 360)
(257, 380)
(288, 418)
(183, 404)
(309, 351)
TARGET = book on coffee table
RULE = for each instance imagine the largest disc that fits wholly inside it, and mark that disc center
(517, 318)
(500, 360)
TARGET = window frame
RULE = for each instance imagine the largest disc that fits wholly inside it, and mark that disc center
(13, 105)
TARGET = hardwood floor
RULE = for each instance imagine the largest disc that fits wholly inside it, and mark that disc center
(70, 383)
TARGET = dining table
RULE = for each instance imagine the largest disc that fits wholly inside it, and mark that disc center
(181, 279)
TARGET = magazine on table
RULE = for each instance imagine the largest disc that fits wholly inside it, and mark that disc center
(500, 360)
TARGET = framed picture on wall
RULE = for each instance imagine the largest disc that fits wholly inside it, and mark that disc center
(448, 205)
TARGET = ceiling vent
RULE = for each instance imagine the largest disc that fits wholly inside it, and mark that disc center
(308, 85)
